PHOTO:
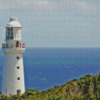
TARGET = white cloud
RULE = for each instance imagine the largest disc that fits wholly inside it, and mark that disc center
(45, 3)
(81, 5)
(24, 2)
(30, 4)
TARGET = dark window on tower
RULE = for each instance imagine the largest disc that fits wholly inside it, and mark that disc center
(17, 57)
(9, 33)
(17, 44)
(17, 67)
(18, 92)
(18, 78)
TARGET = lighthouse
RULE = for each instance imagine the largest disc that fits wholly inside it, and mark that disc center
(13, 70)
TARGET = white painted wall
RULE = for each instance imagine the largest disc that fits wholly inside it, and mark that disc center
(11, 73)
(17, 33)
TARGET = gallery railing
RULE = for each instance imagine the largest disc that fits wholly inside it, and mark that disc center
(5, 45)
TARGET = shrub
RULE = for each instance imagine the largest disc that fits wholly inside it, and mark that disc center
(74, 79)
(88, 75)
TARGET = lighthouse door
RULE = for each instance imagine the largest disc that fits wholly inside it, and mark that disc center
(18, 92)
(17, 44)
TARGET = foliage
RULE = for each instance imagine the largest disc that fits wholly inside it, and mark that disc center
(85, 88)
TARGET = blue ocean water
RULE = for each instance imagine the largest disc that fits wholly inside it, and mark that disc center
(47, 67)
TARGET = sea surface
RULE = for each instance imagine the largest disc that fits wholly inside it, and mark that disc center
(48, 67)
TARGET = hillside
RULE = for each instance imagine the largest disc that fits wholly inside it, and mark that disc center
(85, 88)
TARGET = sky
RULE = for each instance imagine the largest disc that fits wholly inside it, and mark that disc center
(54, 23)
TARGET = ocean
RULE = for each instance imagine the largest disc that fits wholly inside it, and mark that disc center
(48, 67)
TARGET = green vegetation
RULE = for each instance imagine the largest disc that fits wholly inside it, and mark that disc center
(85, 88)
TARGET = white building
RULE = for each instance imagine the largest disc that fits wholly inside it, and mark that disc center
(13, 72)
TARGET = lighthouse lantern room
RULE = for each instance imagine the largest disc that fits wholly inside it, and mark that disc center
(13, 71)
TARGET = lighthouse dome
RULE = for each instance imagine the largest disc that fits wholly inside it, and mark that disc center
(13, 22)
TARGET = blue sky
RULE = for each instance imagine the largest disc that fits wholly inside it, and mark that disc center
(54, 23)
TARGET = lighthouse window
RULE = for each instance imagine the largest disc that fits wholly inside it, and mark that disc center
(18, 92)
(11, 29)
(18, 78)
(9, 33)
(17, 67)
(17, 57)
(8, 29)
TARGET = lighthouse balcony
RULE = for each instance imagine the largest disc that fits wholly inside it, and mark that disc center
(13, 48)
(5, 45)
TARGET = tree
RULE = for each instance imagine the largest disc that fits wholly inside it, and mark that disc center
(94, 83)
(88, 75)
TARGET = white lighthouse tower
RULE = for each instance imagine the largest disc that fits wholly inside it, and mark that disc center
(13, 72)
